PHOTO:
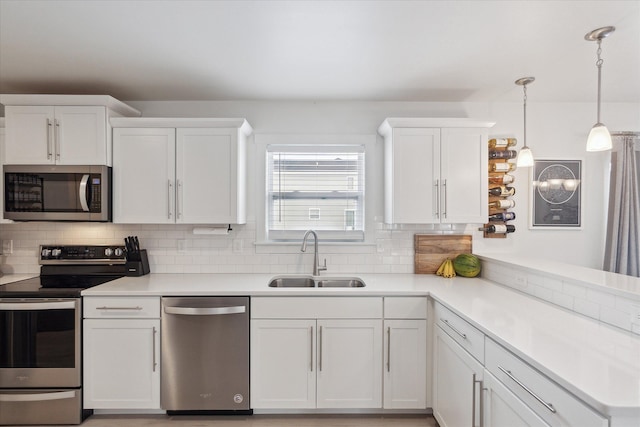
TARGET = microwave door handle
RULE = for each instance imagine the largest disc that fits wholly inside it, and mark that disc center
(82, 192)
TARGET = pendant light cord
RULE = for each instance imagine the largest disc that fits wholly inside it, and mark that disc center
(599, 65)
(524, 88)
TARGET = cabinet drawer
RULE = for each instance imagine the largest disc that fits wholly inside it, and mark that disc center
(470, 338)
(405, 308)
(552, 403)
(114, 307)
(316, 308)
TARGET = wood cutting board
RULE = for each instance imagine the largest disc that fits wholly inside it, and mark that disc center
(432, 249)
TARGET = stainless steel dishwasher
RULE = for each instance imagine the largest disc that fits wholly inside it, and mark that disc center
(205, 355)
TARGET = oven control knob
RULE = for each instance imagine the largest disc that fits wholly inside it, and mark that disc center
(108, 252)
(45, 253)
(56, 252)
(119, 252)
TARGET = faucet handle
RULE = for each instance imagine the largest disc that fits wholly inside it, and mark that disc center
(323, 267)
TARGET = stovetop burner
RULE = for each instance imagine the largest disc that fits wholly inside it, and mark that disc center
(66, 270)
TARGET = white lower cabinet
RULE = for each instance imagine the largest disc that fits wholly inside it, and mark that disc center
(283, 359)
(457, 378)
(405, 353)
(121, 353)
(330, 359)
(503, 409)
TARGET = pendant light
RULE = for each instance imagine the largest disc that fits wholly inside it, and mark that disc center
(525, 156)
(599, 137)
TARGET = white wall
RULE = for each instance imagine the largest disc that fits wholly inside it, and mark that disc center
(555, 131)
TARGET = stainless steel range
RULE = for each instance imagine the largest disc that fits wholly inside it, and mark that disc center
(41, 334)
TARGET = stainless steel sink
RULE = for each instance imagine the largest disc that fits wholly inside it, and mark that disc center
(352, 282)
(313, 282)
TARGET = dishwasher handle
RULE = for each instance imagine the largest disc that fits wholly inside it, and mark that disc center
(205, 311)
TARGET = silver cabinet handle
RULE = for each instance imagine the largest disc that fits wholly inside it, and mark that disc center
(549, 406)
(154, 349)
(179, 197)
(82, 193)
(446, 322)
(444, 189)
(389, 349)
(311, 349)
(436, 205)
(169, 194)
(320, 350)
(37, 397)
(104, 307)
(49, 132)
(205, 311)
(473, 402)
(23, 306)
(57, 138)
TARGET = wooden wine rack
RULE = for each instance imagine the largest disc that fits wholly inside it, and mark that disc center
(496, 198)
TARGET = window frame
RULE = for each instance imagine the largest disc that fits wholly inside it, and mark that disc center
(263, 141)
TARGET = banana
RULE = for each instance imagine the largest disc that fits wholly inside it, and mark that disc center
(448, 269)
(441, 268)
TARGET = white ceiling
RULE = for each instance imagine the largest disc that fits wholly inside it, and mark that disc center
(319, 50)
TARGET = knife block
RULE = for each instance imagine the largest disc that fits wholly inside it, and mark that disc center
(139, 267)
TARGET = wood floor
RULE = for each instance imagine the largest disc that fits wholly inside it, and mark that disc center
(261, 421)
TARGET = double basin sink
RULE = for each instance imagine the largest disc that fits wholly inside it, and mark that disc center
(315, 282)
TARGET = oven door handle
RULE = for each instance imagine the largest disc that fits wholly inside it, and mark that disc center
(53, 305)
(37, 397)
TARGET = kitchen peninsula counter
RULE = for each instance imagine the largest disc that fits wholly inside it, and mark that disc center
(596, 362)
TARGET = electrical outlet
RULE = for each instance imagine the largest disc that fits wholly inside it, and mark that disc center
(182, 245)
(237, 246)
(7, 247)
(521, 280)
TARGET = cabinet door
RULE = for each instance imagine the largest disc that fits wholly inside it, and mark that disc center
(144, 176)
(29, 135)
(405, 364)
(283, 373)
(503, 409)
(207, 176)
(464, 193)
(349, 362)
(456, 383)
(412, 171)
(121, 363)
(81, 136)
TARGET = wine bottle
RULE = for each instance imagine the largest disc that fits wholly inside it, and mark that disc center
(502, 191)
(503, 216)
(498, 228)
(501, 179)
(502, 142)
(503, 154)
(503, 167)
(502, 204)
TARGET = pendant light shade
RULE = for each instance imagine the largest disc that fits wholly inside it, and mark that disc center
(599, 138)
(525, 156)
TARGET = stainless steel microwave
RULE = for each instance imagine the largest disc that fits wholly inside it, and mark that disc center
(57, 193)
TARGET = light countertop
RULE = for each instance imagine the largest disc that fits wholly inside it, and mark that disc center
(596, 362)
(10, 278)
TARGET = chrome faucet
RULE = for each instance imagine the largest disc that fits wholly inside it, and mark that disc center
(317, 268)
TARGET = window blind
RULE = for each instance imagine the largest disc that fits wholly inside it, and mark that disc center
(315, 187)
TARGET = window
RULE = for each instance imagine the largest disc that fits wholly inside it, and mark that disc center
(319, 187)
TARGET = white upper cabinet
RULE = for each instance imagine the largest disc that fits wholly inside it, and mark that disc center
(190, 174)
(435, 170)
(60, 129)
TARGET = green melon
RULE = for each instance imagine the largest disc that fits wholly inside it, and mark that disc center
(466, 265)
